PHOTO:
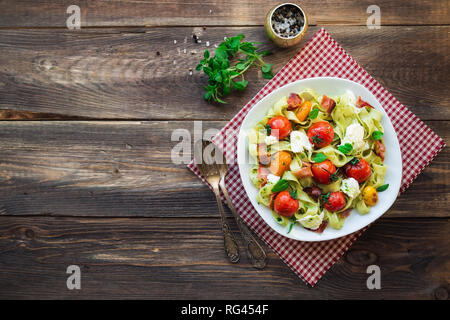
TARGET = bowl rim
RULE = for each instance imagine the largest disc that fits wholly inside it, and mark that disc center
(243, 153)
(272, 11)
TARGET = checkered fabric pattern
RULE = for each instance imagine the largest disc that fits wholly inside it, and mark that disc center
(322, 56)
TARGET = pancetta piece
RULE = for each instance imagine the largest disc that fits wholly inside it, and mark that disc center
(328, 104)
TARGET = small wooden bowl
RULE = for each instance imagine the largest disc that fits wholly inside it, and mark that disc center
(280, 41)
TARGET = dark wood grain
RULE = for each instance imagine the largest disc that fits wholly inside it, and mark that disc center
(93, 168)
(9, 114)
(20, 13)
(183, 258)
(117, 74)
(105, 195)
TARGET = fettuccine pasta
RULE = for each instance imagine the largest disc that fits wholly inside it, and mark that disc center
(317, 158)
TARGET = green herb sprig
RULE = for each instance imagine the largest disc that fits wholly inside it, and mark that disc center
(317, 139)
(291, 225)
(319, 157)
(223, 76)
(293, 194)
(334, 177)
(281, 185)
(324, 198)
(376, 135)
(383, 187)
(354, 161)
(313, 113)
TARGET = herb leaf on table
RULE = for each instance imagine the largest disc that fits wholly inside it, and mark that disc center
(222, 73)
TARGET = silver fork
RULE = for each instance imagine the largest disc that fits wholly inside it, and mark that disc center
(255, 252)
(210, 170)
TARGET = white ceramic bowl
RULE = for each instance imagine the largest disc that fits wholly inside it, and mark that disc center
(330, 86)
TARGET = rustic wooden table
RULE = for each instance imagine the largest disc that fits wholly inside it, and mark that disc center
(86, 176)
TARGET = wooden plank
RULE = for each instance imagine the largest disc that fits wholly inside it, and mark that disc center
(117, 74)
(84, 168)
(183, 258)
(7, 114)
(44, 13)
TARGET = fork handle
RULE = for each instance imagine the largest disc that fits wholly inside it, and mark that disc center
(229, 242)
(255, 252)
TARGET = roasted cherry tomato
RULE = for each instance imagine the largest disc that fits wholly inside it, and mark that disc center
(370, 196)
(285, 205)
(323, 172)
(334, 201)
(280, 162)
(303, 111)
(280, 127)
(359, 170)
(321, 134)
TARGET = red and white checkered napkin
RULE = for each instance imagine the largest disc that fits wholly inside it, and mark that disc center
(322, 56)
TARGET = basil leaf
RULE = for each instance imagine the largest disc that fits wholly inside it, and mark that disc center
(268, 129)
(281, 185)
(314, 113)
(354, 161)
(319, 157)
(346, 148)
(376, 135)
(383, 187)
(290, 227)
